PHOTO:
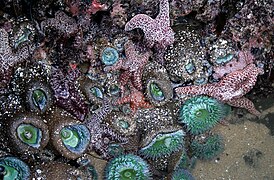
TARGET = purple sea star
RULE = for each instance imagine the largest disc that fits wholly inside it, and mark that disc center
(230, 89)
(132, 65)
(66, 94)
(157, 31)
(101, 134)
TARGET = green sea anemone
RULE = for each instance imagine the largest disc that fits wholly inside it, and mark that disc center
(207, 148)
(164, 144)
(158, 92)
(38, 97)
(182, 174)
(12, 168)
(126, 167)
(29, 135)
(75, 137)
(201, 113)
(115, 150)
(109, 56)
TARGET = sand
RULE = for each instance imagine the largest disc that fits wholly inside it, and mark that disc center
(248, 155)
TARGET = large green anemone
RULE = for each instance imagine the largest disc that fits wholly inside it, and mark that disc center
(127, 167)
(164, 144)
(12, 168)
(182, 174)
(75, 137)
(201, 113)
(29, 135)
(208, 148)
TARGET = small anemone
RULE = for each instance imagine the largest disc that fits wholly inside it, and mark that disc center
(124, 124)
(158, 91)
(164, 144)
(182, 174)
(202, 113)
(208, 148)
(127, 167)
(115, 150)
(29, 135)
(13, 168)
(75, 138)
(109, 56)
(38, 97)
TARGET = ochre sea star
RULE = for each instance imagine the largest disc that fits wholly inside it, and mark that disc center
(158, 30)
(230, 89)
(66, 93)
(132, 65)
(136, 99)
(101, 133)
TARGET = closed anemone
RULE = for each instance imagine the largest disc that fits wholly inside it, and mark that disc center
(38, 97)
(12, 168)
(208, 148)
(158, 91)
(29, 135)
(115, 150)
(96, 92)
(126, 167)
(164, 144)
(202, 113)
(75, 138)
(109, 56)
(123, 124)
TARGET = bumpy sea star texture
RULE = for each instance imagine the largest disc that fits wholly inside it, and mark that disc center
(230, 89)
(157, 31)
(64, 24)
(101, 134)
(132, 66)
(66, 94)
(244, 58)
(136, 99)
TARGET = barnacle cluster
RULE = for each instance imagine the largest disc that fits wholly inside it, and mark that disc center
(186, 59)
(93, 89)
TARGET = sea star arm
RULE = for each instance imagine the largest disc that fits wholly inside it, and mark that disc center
(206, 89)
(124, 77)
(137, 79)
(244, 103)
(123, 100)
(139, 21)
(163, 15)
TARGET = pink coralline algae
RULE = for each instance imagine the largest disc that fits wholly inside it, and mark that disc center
(230, 89)
(157, 31)
(244, 58)
(132, 65)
